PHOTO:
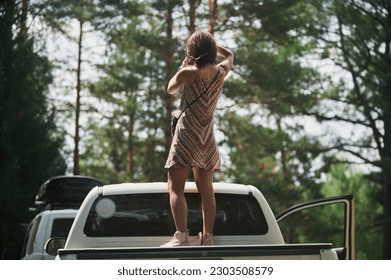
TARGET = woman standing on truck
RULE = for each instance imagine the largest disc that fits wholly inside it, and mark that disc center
(193, 146)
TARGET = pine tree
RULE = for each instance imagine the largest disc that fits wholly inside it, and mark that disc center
(30, 141)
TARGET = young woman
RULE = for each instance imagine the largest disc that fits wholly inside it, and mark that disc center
(194, 148)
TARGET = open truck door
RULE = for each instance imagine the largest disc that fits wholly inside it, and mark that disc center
(322, 220)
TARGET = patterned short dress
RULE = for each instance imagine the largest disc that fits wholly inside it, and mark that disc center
(194, 143)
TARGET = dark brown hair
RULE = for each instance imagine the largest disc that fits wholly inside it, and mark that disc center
(201, 49)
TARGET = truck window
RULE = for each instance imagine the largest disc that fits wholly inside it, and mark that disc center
(150, 215)
(319, 224)
(61, 227)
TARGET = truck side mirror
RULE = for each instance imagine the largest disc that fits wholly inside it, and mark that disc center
(53, 244)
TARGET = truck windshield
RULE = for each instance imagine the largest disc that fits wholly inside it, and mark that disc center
(150, 215)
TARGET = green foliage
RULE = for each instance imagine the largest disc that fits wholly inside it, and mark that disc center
(269, 159)
(131, 89)
(360, 46)
(368, 213)
(325, 224)
(30, 141)
(271, 87)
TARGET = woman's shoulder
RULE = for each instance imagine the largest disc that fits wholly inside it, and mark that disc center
(188, 75)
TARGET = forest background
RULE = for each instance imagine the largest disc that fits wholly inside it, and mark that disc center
(305, 114)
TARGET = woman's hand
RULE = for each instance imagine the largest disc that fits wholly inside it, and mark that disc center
(184, 63)
(228, 57)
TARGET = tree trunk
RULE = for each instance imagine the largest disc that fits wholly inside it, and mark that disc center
(76, 166)
(130, 152)
(169, 72)
(387, 188)
(387, 145)
(23, 20)
(192, 9)
(213, 16)
(284, 161)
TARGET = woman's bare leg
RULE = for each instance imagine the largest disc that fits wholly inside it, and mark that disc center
(204, 182)
(176, 184)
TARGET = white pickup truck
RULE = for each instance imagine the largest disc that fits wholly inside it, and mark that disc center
(132, 220)
(46, 225)
(56, 206)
